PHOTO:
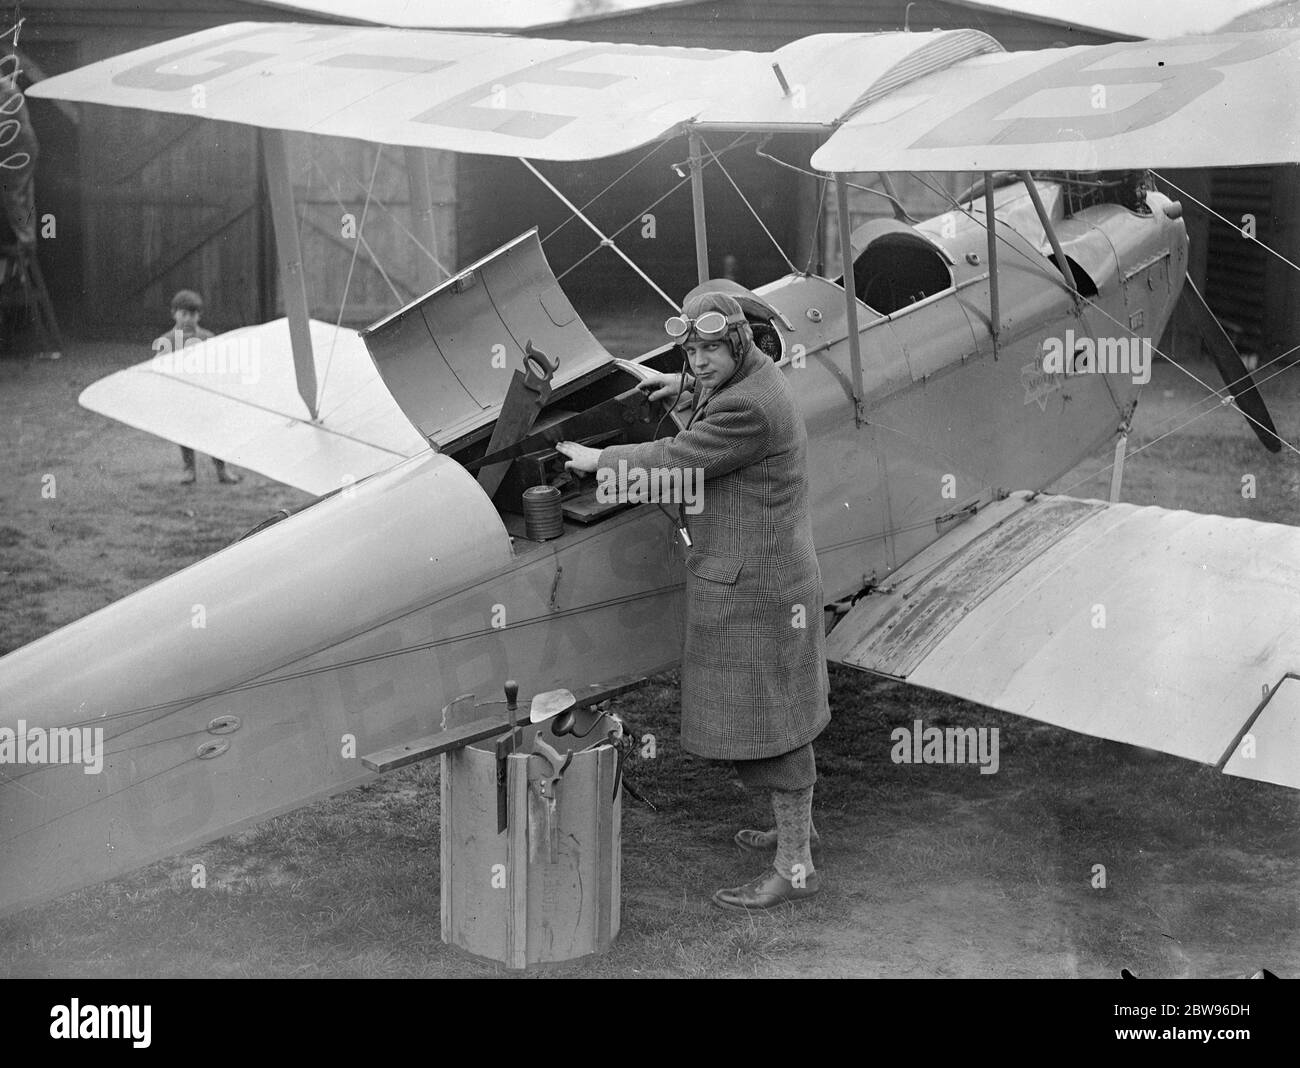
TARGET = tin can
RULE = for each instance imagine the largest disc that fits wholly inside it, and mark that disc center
(543, 518)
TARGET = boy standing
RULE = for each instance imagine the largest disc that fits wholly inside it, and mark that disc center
(187, 306)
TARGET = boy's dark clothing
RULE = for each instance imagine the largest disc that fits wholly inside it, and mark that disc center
(176, 337)
(174, 340)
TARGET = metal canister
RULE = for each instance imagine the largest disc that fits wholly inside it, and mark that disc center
(543, 518)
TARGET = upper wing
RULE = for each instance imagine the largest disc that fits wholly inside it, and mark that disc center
(1221, 101)
(500, 95)
(235, 397)
(482, 15)
(482, 93)
(939, 101)
(1170, 630)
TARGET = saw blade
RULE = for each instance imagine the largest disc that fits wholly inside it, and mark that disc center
(625, 409)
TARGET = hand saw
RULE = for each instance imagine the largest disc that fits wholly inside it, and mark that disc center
(627, 409)
(527, 396)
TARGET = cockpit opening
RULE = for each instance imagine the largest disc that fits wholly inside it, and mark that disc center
(897, 269)
(1083, 281)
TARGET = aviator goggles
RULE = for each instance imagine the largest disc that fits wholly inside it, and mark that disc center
(711, 326)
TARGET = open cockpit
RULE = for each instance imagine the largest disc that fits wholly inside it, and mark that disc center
(895, 266)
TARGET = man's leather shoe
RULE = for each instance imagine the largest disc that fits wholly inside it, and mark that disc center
(767, 891)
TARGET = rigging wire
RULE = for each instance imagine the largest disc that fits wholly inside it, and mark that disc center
(607, 188)
(95, 798)
(180, 704)
(757, 218)
(1225, 396)
(347, 285)
(1187, 422)
(635, 219)
(315, 163)
(654, 203)
(166, 708)
(605, 240)
(393, 215)
(352, 397)
(813, 242)
(1229, 222)
(824, 178)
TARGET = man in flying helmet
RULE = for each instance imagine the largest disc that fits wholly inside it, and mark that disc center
(754, 683)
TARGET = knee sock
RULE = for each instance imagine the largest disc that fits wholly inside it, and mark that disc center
(793, 809)
(769, 837)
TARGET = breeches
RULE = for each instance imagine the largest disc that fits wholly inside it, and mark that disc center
(795, 770)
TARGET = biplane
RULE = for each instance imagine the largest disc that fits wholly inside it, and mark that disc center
(224, 691)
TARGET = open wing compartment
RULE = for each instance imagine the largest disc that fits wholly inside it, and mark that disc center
(449, 357)
(453, 361)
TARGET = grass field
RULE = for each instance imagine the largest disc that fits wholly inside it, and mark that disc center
(930, 870)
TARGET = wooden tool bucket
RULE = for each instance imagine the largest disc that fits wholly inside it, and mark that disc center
(547, 888)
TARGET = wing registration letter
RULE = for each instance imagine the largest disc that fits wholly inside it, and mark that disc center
(1178, 72)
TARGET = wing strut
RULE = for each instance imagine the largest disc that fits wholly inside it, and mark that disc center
(276, 161)
(850, 294)
(697, 205)
(1062, 264)
(990, 227)
(421, 191)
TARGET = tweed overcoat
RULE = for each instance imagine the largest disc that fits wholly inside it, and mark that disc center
(753, 677)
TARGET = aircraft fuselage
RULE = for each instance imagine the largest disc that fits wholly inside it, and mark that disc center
(252, 681)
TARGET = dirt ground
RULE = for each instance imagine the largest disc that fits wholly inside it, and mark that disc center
(931, 871)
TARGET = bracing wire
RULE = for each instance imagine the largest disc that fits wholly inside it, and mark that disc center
(1229, 222)
(347, 285)
(757, 218)
(1225, 396)
(607, 188)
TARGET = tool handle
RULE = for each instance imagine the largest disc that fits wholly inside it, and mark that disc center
(543, 365)
(512, 706)
(543, 748)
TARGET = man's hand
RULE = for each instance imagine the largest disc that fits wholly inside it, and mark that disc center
(582, 458)
(661, 386)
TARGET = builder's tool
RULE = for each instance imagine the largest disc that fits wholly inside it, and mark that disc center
(505, 746)
(527, 396)
(551, 703)
(545, 787)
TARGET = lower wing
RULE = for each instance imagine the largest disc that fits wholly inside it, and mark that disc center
(1160, 628)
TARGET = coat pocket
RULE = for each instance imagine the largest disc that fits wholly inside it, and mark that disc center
(715, 568)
